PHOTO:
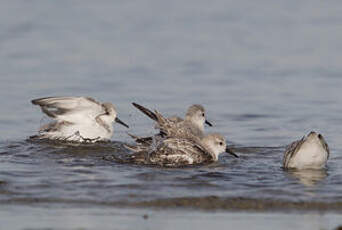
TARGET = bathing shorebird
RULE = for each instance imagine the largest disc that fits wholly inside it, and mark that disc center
(175, 151)
(193, 124)
(311, 152)
(80, 119)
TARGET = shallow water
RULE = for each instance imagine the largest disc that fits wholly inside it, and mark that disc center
(109, 218)
(267, 73)
(81, 174)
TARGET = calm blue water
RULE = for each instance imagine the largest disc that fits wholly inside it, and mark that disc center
(267, 72)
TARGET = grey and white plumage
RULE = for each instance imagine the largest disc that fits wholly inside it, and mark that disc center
(80, 119)
(193, 124)
(310, 152)
(175, 151)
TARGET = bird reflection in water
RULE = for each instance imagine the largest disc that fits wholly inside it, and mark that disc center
(309, 177)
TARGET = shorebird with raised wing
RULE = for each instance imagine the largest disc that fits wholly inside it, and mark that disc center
(193, 124)
(79, 119)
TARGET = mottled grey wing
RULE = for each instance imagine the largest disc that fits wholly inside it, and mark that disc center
(171, 128)
(205, 156)
(178, 152)
(166, 126)
(144, 143)
(291, 151)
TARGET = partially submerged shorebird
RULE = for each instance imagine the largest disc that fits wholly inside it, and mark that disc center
(79, 119)
(180, 142)
(193, 124)
(311, 152)
(175, 151)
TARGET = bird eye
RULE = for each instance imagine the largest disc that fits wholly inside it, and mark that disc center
(319, 136)
(202, 114)
(221, 143)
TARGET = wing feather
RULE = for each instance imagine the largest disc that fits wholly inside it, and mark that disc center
(176, 151)
(71, 109)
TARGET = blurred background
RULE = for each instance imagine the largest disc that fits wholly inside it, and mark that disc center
(266, 71)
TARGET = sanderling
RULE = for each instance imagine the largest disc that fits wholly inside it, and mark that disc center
(175, 151)
(80, 119)
(177, 127)
(311, 151)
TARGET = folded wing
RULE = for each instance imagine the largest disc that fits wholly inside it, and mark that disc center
(291, 151)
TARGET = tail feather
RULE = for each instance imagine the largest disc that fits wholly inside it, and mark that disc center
(146, 111)
(165, 125)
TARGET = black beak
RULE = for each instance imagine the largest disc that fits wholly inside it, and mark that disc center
(208, 123)
(121, 122)
(231, 152)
